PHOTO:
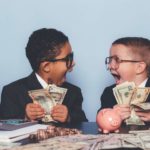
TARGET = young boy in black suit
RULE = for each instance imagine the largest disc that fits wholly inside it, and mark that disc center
(50, 55)
(129, 60)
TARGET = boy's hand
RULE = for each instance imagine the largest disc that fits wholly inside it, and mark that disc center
(123, 110)
(60, 113)
(144, 115)
(34, 111)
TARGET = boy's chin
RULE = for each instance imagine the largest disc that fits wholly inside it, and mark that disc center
(62, 80)
(119, 81)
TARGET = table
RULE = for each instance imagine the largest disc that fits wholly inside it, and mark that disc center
(92, 128)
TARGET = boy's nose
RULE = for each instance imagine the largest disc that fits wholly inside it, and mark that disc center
(113, 66)
(71, 68)
(73, 63)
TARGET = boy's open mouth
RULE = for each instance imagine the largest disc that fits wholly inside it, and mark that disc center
(117, 77)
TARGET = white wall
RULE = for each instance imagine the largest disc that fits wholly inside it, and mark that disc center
(91, 25)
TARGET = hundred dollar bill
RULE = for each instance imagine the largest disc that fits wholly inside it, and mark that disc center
(43, 98)
(57, 93)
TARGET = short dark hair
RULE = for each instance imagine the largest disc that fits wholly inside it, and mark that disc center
(139, 46)
(44, 44)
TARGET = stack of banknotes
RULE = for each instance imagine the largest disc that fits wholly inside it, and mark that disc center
(128, 93)
(48, 98)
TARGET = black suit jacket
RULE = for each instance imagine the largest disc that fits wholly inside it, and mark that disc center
(15, 97)
(108, 100)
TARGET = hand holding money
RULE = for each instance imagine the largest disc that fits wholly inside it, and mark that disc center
(123, 110)
(143, 111)
(47, 99)
(60, 113)
(34, 111)
(128, 93)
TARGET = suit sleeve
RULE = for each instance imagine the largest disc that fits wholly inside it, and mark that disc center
(9, 107)
(76, 113)
(107, 99)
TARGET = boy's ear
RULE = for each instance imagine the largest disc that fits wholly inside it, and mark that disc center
(141, 67)
(45, 66)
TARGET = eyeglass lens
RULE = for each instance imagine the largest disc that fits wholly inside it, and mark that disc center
(69, 60)
(112, 60)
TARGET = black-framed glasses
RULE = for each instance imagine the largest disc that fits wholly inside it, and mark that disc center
(115, 60)
(68, 59)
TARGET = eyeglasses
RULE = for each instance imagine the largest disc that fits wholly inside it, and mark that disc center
(115, 60)
(68, 59)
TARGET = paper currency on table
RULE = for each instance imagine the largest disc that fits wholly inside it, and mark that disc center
(140, 140)
(5, 145)
(82, 142)
(52, 144)
(140, 131)
(91, 142)
(57, 93)
(43, 98)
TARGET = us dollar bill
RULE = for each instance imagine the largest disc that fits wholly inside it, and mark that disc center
(124, 92)
(142, 106)
(128, 93)
(89, 142)
(141, 140)
(57, 93)
(140, 95)
(44, 99)
(48, 98)
(134, 119)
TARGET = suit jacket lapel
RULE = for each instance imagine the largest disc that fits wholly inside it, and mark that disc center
(148, 83)
(33, 83)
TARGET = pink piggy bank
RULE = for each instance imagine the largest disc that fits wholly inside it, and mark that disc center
(108, 120)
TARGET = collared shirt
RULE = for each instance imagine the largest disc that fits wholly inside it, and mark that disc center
(42, 82)
(143, 84)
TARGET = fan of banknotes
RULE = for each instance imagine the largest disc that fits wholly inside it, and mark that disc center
(128, 93)
(48, 98)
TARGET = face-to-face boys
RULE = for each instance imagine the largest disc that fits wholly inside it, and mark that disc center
(125, 66)
(57, 69)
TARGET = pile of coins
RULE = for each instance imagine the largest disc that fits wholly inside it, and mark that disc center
(52, 131)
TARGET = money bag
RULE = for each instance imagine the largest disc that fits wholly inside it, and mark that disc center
(108, 120)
